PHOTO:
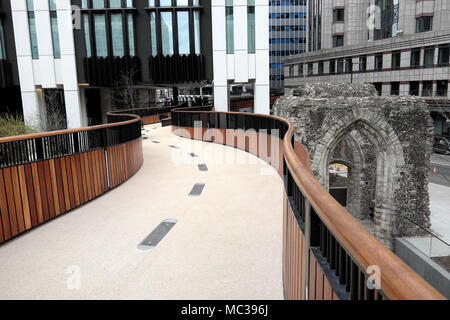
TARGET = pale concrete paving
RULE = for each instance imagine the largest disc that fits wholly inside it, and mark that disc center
(226, 245)
(440, 224)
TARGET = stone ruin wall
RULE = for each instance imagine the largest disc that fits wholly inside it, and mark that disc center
(386, 141)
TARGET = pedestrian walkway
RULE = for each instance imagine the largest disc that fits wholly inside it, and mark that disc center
(226, 243)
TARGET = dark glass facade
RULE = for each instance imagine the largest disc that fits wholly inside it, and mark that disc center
(287, 35)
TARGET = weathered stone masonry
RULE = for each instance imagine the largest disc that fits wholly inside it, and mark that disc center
(385, 141)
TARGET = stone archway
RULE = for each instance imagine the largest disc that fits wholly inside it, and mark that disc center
(390, 140)
(348, 152)
(389, 156)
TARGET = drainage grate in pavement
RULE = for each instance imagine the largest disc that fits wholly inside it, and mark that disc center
(155, 141)
(193, 155)
(174, 147)
(203, 167)
(197, 190)
(157, 235)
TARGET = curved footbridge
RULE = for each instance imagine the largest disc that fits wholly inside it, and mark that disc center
(245, 228)
(227, 242)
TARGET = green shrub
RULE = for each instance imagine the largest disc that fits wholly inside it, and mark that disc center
(13, 125)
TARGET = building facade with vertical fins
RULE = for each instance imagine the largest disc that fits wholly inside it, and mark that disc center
(400, 46)
(88, 53)
(287, 35)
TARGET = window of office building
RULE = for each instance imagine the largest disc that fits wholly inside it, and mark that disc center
(428, 57)
(87, 35)
(117, 35)
(2, 42)
(427, 88)
(415, 58)
(108, 28)
(340, 65)
(174, 27)
(395, 88)
(362, 63)
(101, 44)
(414, 88)
(130, 23)
(378, 62)
(153, 38)
(197, 30)
(229, 26)
(300, 69)
(310, 69)
(332, 66)
(320, 68)
(378, 87)
(444, 54)
(442, 88)
(424, 24)
(183, 32)
(166, 33)
(251, 26)
(388, 19)
(32, 27)
(291, 71)
(396, 56)
(348, 65)
(54, 26)
(338, 41)
(338, 15)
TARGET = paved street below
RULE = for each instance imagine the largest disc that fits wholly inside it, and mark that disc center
(439, 189)
(442, 163)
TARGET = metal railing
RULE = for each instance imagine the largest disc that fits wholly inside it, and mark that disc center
(344, 250)
(30, 148)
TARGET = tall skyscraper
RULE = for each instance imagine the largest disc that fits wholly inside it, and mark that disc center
(287, 33)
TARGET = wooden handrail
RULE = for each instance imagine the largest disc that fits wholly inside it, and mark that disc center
(398, 280)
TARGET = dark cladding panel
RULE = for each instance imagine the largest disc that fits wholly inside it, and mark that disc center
(107, 72)
(176, 69)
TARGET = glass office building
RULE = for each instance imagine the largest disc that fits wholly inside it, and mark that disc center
(287, 35)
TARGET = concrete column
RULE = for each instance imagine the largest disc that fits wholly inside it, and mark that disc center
(262, 99)
(386, 89)
(262, 82)
(31, 109)
(404, 89)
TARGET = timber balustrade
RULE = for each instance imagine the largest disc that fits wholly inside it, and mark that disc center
(327, 253)
(44, 175)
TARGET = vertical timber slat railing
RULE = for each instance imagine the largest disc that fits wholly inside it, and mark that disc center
(327, 254)
(47, 174)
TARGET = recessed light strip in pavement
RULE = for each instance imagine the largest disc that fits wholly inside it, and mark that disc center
(197, 190)
(157, 235)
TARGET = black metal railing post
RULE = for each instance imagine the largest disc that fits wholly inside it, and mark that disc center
(39, 148)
